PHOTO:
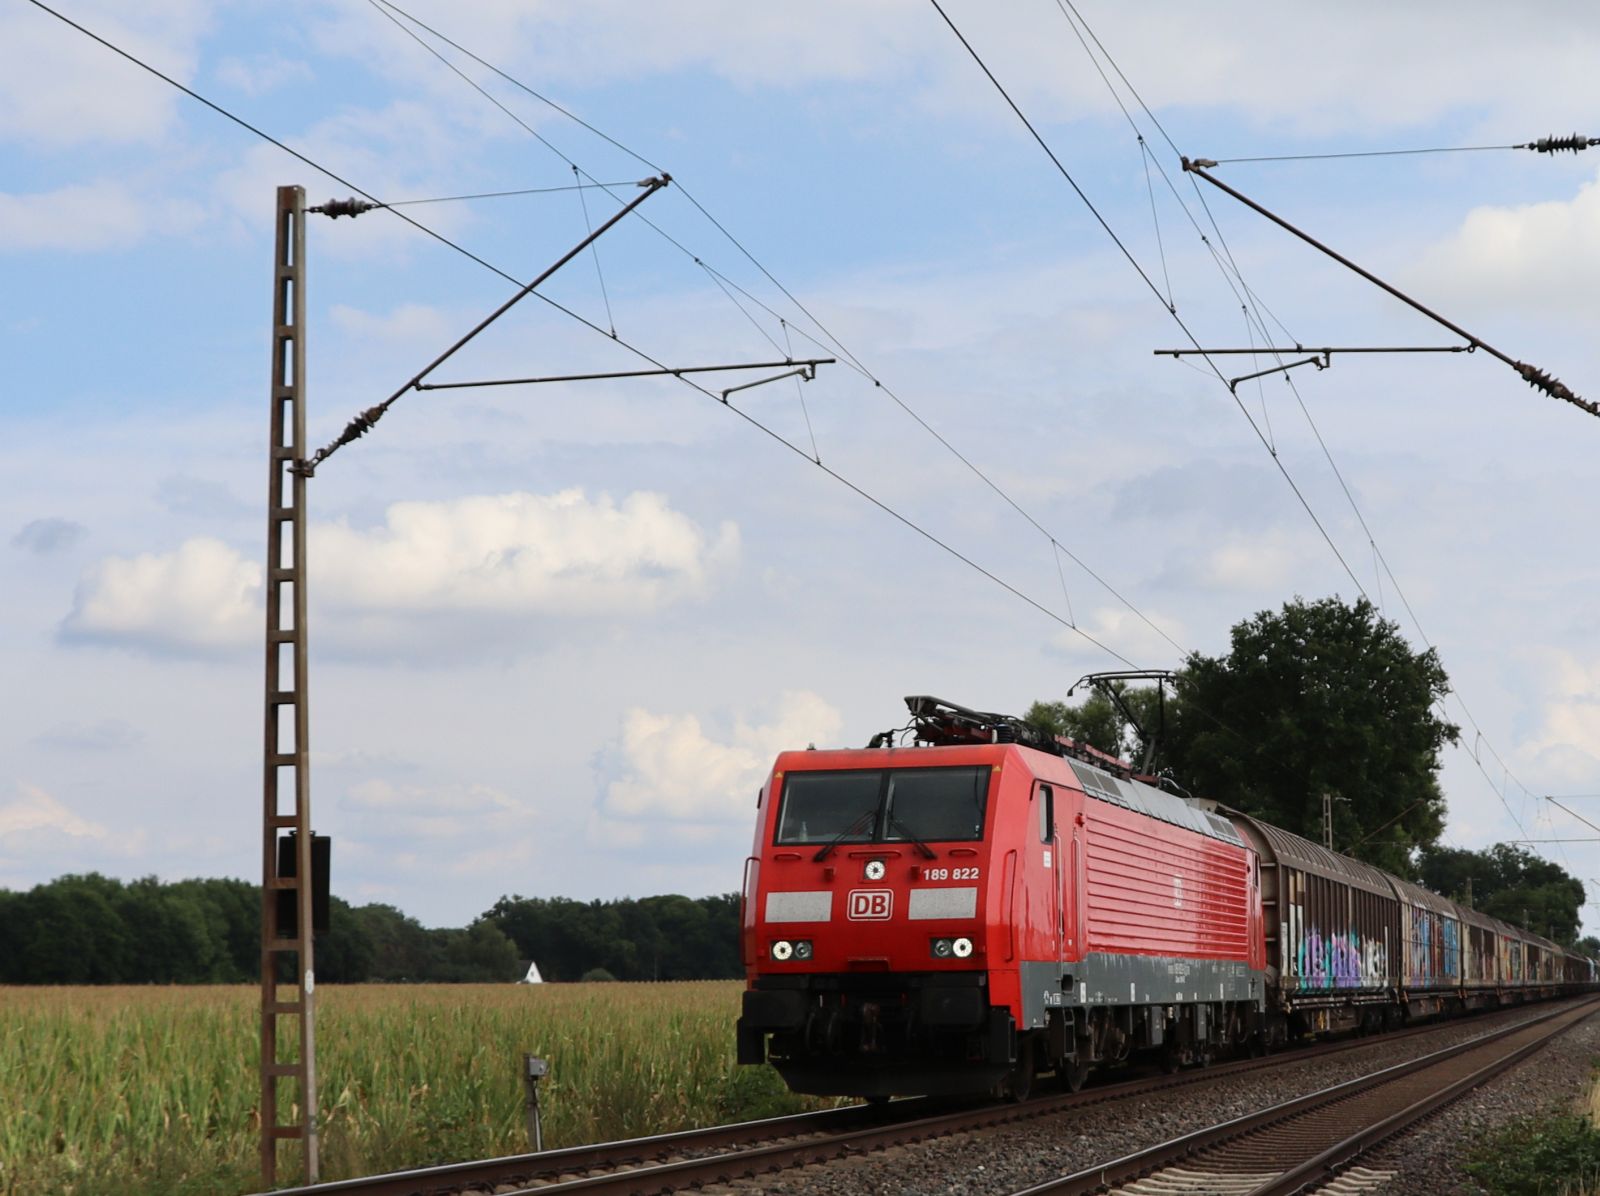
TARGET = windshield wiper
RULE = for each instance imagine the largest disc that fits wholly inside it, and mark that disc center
(927, 852)
(859, 824)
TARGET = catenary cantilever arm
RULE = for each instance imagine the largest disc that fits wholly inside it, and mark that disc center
(1535, 377)
(362, 424)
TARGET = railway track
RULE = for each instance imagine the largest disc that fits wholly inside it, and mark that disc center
(1311, 1143)
(719, 1154)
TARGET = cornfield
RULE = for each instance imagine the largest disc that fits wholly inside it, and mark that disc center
(145, 1090)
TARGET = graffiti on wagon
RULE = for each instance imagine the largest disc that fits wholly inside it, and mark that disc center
(1334, 959)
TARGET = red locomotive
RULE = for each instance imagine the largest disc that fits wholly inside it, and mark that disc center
(959, 915)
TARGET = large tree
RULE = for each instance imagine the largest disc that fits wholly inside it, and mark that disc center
(1102, 719)
(1319, 698)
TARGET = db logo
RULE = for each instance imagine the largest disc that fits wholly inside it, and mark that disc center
(870, 905)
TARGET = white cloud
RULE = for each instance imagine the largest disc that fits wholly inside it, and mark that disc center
(381, 811)
(377, 794)
(510, 555)
(410, 325)
(1245, 564)
(83, 217)
(1253, 563)
(261, 73)
(672, 769)
(102, 736)
(1480, 54)
(405, 150)
(519, 553)
(60, 88)
(202, 598)
(610, 39)
(34, 811)
(1567, 742)
(1128, 634)
(1543, 256)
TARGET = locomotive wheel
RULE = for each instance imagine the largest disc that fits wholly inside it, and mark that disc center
(1019, 1082)
(1072, 1073)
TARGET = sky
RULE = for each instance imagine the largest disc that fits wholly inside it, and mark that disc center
(559, 632)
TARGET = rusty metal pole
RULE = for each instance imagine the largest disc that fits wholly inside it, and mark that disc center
(286, 777)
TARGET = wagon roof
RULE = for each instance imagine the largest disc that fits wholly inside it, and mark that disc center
(1427, 899)
(1285, 847)
(1473, 917)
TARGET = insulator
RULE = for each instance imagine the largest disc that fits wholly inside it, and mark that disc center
(1552, 145)
(1554, 387)
(361, 424)
(351, 207)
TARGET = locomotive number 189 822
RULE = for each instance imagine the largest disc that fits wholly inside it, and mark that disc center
(950, 874)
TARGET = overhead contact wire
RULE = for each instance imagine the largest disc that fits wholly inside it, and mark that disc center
(1399, 590)
(855, 488)
(1255, 305)
(1443, 149)
(831, 341)
(404, 203)
(1154, 290)
(594, 249)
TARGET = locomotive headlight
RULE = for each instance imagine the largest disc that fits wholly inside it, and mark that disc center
(961, 948)
(802, 949)
(782, 949)
(942, 948)
(875, 869)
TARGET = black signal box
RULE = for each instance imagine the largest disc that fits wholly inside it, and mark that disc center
(321, 853)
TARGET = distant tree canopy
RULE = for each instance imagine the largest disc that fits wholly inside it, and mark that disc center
(1510, 883)
(651, 938)
(1320, 697)
(91, 929)
(1099, 721)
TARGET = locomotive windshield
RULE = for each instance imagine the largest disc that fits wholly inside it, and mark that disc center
(884, 805)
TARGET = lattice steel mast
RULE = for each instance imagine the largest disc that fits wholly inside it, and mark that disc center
(286, 788)
(293, 861)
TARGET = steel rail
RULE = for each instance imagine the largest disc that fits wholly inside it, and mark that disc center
(833, 1133)
(1130, 1168)
(449, 1177)
(1317, 1170)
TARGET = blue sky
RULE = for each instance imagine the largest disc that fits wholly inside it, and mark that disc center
(558, 633)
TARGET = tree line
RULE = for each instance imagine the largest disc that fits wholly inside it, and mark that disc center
(92, 929)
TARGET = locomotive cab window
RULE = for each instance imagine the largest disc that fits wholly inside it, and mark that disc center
(893, 805)
(1047, 813)
(819, 807)
(935, 804)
